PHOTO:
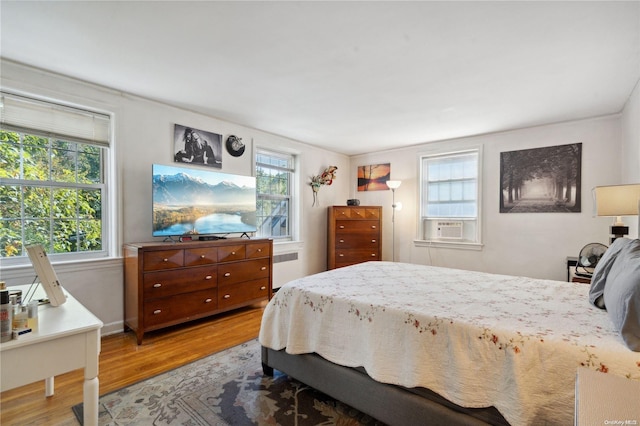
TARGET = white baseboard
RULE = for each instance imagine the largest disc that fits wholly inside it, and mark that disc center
(112, 328)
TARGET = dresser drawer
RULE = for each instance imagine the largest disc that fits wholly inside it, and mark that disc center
(358, 213)
(163, 259)
(200, 256)
(348, 226)
(355, 241)
(231, 253)
(372, 214)
(179, 308)
(235, 294)
(342, 212)
(256, 250)
(355, 213)
(166, 283)
(343, 264)
(356, 255)
(236, 272)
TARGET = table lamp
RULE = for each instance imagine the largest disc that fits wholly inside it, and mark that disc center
(618, 201)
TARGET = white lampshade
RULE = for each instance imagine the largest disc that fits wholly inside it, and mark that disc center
(617, 200)
(394, 184)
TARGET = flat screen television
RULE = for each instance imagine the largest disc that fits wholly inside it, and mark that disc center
(197, 201)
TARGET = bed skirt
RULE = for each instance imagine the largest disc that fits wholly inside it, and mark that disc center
(391, 404)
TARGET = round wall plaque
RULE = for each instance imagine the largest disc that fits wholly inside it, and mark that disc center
(235, 147)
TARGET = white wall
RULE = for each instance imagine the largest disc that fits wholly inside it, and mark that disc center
(529, 244)
(522, 244)
(631, 150)
(143, 135)
(631, 138)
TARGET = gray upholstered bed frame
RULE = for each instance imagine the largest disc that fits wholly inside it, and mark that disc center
(393, 405)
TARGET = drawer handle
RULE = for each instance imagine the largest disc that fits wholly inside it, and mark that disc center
(259, 250)
(263, 268)
(342, 241)
(202, 256)
(263, 288)
(227, 274)
(357, 212)
(233, 253)
(342, 213)
(157, 285)
(227, 296)
(341, 226)
(157, 311)
(341, 255)
(373, 255)
(373, 227)
(373, 241)
(207, 301)
(208, 277)
(165, 260)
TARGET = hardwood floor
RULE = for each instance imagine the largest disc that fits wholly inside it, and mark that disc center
(123, 362)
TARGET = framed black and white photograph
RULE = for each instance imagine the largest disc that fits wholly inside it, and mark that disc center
(541, 180)
(197, 146)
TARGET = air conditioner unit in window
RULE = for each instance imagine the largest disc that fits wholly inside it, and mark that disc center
(451, 230)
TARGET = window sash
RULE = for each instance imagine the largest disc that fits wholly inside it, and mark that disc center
(276, 199)
(451, 197)
(79, 215)
(450, 185)
(274, 161)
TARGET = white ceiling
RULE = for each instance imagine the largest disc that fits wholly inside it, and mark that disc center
(353, 77)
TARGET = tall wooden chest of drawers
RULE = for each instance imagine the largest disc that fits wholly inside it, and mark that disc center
(354, 235)
(171, 283)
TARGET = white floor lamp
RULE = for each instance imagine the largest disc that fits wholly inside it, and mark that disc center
(393, 185)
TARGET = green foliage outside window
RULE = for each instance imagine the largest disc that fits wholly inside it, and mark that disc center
(50, 194)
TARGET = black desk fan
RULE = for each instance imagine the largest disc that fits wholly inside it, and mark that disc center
(588, 258)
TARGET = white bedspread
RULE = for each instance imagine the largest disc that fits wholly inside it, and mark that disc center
(477, 339)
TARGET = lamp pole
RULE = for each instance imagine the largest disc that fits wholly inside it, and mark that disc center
(393, 185)
(393, 224)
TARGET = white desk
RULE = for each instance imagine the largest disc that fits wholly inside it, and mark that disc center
(68, 338)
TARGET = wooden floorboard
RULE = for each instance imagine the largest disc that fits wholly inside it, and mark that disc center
(123, 362)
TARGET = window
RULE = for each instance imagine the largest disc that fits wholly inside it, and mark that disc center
(52, 179)
(450, 197)
(274, 182)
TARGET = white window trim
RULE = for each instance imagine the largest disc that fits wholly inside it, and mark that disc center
(25, 274)
(294, 244)
(443, 149)
(448, 244)
(112, 238)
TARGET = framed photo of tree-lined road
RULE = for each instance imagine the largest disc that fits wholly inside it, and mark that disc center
(541, 180)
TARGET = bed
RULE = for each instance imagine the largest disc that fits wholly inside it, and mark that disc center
(406, 343)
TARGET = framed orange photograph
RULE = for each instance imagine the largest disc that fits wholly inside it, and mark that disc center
(374, 177)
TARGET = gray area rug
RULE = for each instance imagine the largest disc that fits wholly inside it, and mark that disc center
(227, 388)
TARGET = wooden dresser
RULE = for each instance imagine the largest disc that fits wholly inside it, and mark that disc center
(354, 235)
(171, 283)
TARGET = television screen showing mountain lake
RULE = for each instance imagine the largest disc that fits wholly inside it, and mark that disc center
(216, 223)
